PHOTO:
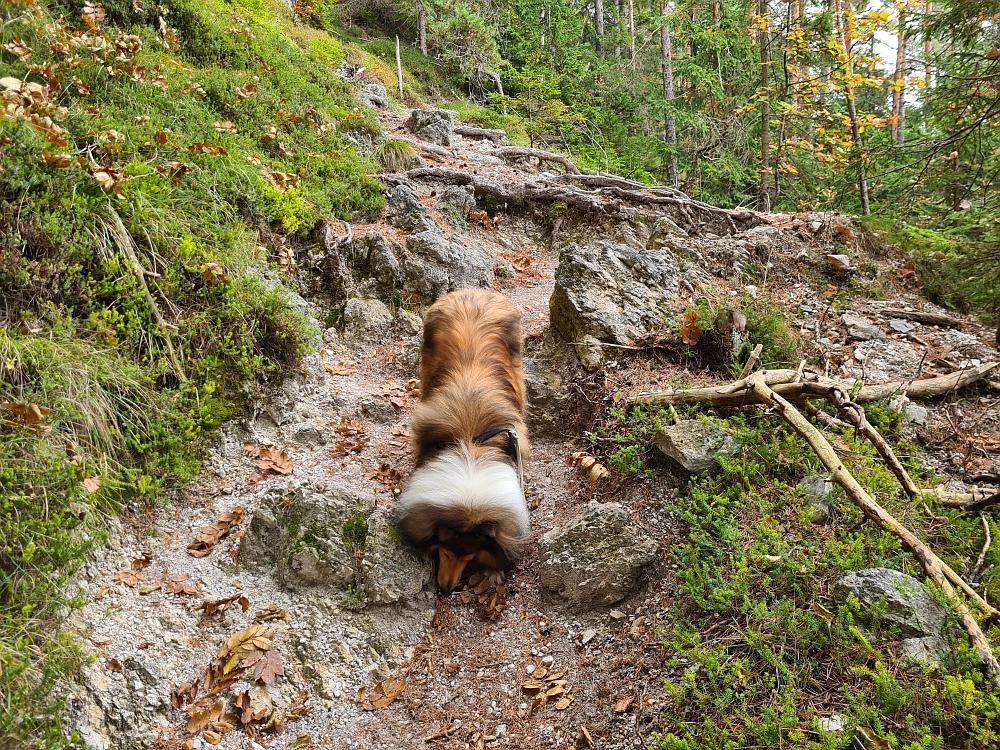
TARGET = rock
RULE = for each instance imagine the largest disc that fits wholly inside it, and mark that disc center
(311, 437)
(835, 723)
(596, 560)
(406, 212)
(378, 410)
(816, 489)
(667, 235)
(695, 446)
(432, 125)
(930, 651)
(588, 635)
(458, 200)
(437, 266)
(408, 324)
(613, 293)
(882, 361)
(378, 258)
(408, 359)
(902, 326)
(590, 353)
(555, 408)
(915, 414)
(392, 572)
(375, 95)
(908, 604)
(963, 345)
(862, 329)
(367, 322)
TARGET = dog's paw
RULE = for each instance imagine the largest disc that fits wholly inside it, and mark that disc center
(497, 577)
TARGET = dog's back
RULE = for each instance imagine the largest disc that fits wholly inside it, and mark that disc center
(464, 499)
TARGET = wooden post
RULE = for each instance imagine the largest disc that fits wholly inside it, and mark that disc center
(399, 69)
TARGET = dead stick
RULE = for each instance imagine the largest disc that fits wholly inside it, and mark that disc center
(931, 563)
(752, 361)
(977, 569)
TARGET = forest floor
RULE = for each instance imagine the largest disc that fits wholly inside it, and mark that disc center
(464, 658)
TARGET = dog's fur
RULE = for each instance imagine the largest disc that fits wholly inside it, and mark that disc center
(464, 500)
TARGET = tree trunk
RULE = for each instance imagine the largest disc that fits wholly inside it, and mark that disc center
(845, 23)
(764, 191)
(422, 27)
(669, 124)
(631, 31)
(898, 97)
(928, 46)
(599, 23)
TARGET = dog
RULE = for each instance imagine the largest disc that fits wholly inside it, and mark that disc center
(464, 500)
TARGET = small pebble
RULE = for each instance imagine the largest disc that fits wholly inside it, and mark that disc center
(588, 636)
(616, 614)
(547, 660)
(530, 668)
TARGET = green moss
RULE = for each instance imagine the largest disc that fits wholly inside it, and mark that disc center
(355, 533)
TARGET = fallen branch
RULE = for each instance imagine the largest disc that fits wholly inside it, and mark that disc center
(928, 318)
(497, 136)
(933, 566)
(518, 152)
(783, 382)
(751, 361)
(971, 501)
(977, 569)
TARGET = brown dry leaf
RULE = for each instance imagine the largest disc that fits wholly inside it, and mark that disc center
(59, 161)
(221, 605)
(198, 719)
(623, 704)
(271, 459)
(18, 49)
(340, 368)
(143, 590)
(271, 613)
(908, 269)
(201, 147)
(114, 665)
(128, 577)
(92, 484)
(185, 693)
(594, 468)
(532, 686)
(101, 641)
(246, 91)
(583, 738)
(242, 703)
(269, 667)
(242, 644)
(466, 597)
(30, 414)
(385, 693)
(302, 742)
(214, 274)
(93, 15)
(212, 738)
(564, 702)
(839, 261)
(690, 330)
(823, 612)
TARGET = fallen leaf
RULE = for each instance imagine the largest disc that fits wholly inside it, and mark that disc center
(30, 414)
(129, 577)
(210, 608)
(339, 369)
(92, 484)
(908, 269)
(302, 742)
(583, 738)
(212, 738)
(823, 612)
(623, 704)
(211, 535)
(114, 665)
(385, 693)
(269, 667)
(690, 330)
(271, 613)
(839, 261)
(270, 459)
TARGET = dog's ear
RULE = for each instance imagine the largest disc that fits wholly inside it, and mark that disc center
(488, 529)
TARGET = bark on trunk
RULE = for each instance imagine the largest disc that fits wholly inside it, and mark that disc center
(898, 97)
(765, 112)
(669, 124)
(844, 23)
(599, 23)
(422, 27)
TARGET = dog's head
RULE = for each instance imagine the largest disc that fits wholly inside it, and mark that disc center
(466, 508)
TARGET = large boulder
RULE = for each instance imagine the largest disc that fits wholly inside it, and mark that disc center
(898, 599)
(614, 293)
(695, 446)
(432, 125)
(596, 560)
(458, 201)
(375, 95)
(406, 212)
(436, 265)
(378, 258)
(332, 538)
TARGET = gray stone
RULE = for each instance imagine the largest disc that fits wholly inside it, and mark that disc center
(367, 322)
(816, 489)
(588, 635)
(408, 358)
(406, 212)
(392, 572)
(901, 600)
(311, 437)
(378, 258)
(378, 410)
(375, 95)
(695, 446)
(862, 329)
(930, 651)
(613, 293)
(667, 235)
(555, 408)
(436, 266)
(596, 560)
(915, 414)
(458, 200)
(835, 723)
(432, 125)
(408, 324)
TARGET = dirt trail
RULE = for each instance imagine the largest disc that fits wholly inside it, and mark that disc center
(465, 664)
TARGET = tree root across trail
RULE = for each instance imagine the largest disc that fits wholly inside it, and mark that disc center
(612, 196)
(779, 388)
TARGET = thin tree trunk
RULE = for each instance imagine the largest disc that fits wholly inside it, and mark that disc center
(631, 31)
(669, 124)
(844, 21)
(899, 75)
(928, 46)
(422, 27)
(399, 69)
(599, 23)
(765, 111)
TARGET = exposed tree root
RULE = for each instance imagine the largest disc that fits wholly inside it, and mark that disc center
(517, 152)
(497, 136)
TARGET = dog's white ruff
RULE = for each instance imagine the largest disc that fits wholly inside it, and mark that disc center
(486, 489)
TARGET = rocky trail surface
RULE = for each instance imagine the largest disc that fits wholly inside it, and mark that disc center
(254, 609)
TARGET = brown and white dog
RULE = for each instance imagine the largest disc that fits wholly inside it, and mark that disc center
(464, 500)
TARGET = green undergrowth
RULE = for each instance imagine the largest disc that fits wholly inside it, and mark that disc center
(157, 162)
(761, 650)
